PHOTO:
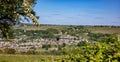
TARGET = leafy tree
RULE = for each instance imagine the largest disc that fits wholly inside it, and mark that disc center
(12, 11)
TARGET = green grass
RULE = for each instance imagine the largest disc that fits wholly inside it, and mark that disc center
(28, 58)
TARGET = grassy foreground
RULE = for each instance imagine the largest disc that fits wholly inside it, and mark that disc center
(28, 58)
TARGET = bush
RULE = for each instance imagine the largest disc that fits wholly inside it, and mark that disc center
(82, 43)
(46, 46)
(9, 51)
(30, 52)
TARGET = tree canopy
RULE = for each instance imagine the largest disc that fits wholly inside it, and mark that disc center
(12, 11)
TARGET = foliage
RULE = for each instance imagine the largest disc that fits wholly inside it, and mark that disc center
(75, 30)
(29, 52)
(55, 31)
(46, 46)
(12, 11)
(103, 51)
(9, 51)
(82, 43)
(106, 50)
(35, 34)
(97, 36)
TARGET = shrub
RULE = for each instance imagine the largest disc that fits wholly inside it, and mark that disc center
(9, 51)
(46, 46)
(30, 52)
(82, 43)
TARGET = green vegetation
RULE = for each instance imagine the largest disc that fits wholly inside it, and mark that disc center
(92, 33)
(97, 36)
(13, 11)
(46, 46)
(9, 51)
(92, 29)
(34, 34)
(97, 43)
(100, 46)
(105, 50)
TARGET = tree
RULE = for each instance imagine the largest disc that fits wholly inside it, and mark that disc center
(13, 11)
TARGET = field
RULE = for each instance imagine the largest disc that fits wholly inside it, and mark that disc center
(105, 30)
(27, 58)
(93, 29)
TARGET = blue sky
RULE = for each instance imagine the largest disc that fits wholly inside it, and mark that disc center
(78, 12)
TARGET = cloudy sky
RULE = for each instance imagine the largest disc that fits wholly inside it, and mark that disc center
(79, 12)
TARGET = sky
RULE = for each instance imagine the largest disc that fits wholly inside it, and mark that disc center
(78, 12)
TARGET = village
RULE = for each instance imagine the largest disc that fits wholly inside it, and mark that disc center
(26, 45)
